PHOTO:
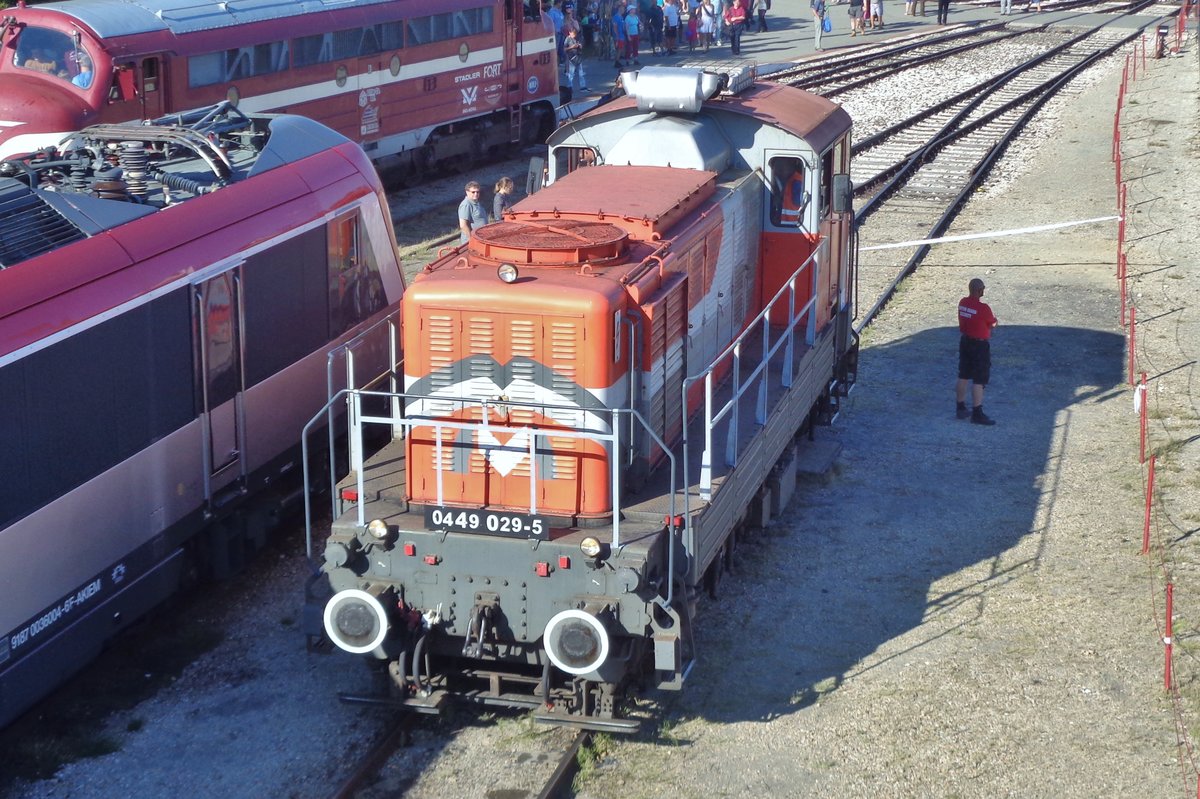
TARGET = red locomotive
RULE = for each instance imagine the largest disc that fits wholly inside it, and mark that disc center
(415, 86)
(600, 391)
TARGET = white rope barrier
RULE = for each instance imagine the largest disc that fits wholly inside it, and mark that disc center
(989, 234)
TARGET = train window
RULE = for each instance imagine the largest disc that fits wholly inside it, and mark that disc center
(54, 53)
(828, 167)
(150, 75)
(286, 304)
(790, 193)
(568, 159)
(355, 287)
(229, 65)
(117, 388)
(453, 24)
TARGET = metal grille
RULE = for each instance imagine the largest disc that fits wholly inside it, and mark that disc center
(28, 226)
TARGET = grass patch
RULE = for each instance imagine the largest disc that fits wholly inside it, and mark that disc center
(589, 758)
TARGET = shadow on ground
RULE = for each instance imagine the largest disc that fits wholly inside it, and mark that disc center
(918, 495)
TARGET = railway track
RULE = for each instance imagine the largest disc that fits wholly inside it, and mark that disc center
(928, 166)
(362, 778)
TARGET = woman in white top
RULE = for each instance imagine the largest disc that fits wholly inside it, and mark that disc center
(708, 23)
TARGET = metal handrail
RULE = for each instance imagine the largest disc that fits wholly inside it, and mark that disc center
(346, 350)
(354, 399)
(757, 377)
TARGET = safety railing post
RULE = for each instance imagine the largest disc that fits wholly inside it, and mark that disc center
(1141, 405)
(1149, 503)
(1132, 340)
(1168, 637)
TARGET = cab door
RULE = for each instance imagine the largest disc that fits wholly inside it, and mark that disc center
(153, 88)
(221, 379)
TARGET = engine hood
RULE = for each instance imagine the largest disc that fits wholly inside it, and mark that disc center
(34, 113)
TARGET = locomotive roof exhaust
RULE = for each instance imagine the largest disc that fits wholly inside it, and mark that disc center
(680, 90)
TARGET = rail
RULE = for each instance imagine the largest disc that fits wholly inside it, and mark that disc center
(757, 378)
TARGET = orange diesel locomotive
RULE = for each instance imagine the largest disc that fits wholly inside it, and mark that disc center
(600, 391)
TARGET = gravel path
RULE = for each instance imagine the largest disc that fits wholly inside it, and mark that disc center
(956, 611)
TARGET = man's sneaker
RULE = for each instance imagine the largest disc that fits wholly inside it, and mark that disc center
(962, 412)
(979, 417)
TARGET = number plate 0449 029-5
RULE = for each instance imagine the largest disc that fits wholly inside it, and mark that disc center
(487, 522)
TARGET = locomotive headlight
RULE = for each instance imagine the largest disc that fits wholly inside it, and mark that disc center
(590, 547)
(378, 529)
(507, 273)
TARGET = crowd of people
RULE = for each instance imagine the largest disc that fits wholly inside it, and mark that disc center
(628, 30)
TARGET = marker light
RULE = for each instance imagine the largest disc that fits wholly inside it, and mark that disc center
(378, 529)
(590, 547)
(507, 273)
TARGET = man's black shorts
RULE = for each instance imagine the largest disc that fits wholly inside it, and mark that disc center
(974, 360)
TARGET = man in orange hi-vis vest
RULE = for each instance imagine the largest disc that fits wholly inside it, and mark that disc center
(791, 198)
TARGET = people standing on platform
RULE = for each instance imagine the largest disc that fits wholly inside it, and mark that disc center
(587, 24)
(471, 213)
(856, 17)
(556, 18)
(975, 324)
(633, 33)
(719, 22)
(760, 9)
(708, 23)
(618, 36)
(670, 25)
(502, 197)
(574, 50)
(943, 12)
(654, 22)
(1005, 7)
(818, 12)
(876, 13)
(735, 23)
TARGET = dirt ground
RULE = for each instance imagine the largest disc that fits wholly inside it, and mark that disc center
(961, 610)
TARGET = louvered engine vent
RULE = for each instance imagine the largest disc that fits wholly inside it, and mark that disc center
(28, 226)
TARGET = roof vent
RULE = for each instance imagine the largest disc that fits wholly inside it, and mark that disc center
(29, 226)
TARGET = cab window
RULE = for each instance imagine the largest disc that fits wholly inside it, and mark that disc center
(53, 53)
(790, 191)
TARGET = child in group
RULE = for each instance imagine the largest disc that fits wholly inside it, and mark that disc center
(693, 31)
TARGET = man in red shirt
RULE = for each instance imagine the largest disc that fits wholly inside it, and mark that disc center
(975, 322)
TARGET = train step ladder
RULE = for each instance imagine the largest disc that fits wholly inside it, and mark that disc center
(514, 124)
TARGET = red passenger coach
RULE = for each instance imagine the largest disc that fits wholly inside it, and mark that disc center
(601, 391)
(414, 85)
(169, 295)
